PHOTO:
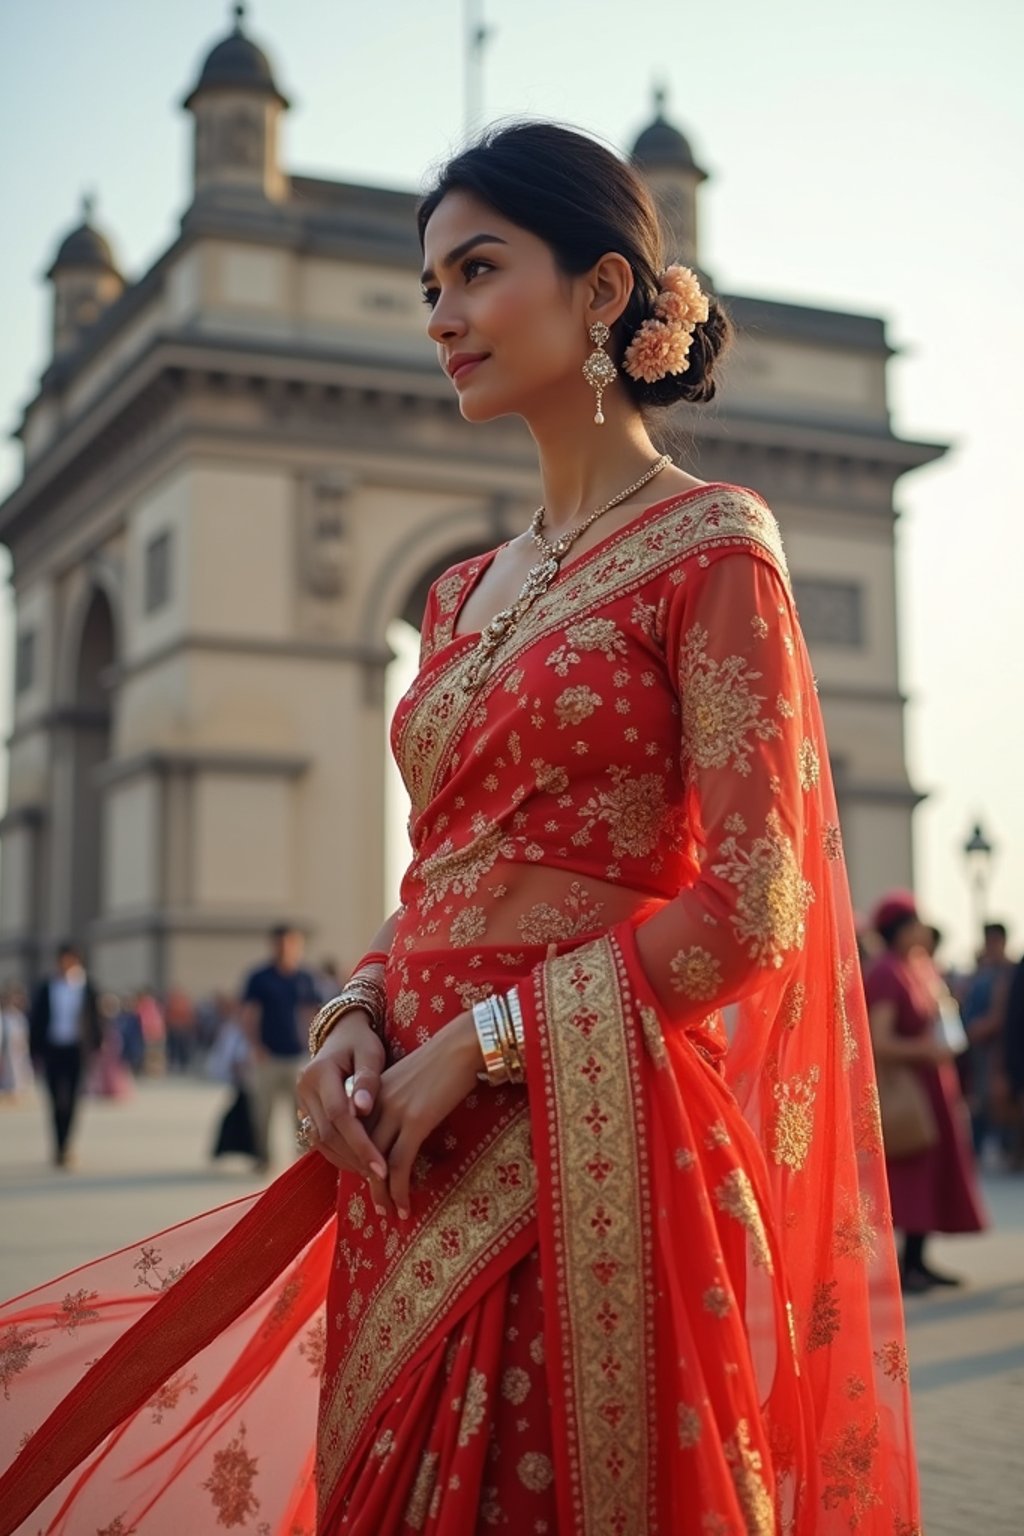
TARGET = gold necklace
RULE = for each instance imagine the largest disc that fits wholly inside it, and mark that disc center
(539, 578)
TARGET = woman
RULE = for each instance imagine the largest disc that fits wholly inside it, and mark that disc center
(638, 1279)
(933, 1189)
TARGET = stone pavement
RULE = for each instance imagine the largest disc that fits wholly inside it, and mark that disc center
(143, 1165)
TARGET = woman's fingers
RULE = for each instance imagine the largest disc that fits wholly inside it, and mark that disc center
(366, 1067)
(400, 1161)
(344, 1131)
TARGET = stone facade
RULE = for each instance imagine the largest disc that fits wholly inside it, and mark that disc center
(240, 468)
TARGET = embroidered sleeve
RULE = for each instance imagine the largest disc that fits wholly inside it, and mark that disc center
(427, 626)
(736, 657)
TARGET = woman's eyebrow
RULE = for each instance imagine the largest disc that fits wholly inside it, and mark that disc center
(461, 250)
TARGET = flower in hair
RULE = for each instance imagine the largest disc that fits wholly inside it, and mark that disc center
(661, 344)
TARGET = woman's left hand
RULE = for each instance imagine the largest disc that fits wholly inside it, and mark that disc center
(416, 1094)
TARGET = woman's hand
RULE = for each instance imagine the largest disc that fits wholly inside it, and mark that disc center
(416, 1094)
(351, 1049)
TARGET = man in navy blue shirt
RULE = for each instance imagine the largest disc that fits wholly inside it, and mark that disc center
(278, 1003)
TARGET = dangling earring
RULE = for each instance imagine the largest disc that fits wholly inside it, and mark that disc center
(599, 370)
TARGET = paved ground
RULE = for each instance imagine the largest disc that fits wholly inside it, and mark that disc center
(143, 1165)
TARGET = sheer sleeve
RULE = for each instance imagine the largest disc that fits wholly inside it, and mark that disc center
(747, 764)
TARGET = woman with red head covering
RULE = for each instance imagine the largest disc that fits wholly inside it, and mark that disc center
(932, 1185)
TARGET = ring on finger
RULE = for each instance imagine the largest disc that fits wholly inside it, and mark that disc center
(350, 1085)
(306, 1133)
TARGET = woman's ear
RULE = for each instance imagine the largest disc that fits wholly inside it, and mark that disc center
(610, 287)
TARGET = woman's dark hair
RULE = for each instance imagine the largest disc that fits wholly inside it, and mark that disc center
(888, 932)
(583, 201)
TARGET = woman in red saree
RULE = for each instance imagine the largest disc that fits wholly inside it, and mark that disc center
(652, 1288)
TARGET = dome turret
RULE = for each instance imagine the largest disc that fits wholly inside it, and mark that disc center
(86, 280)
(664, 156)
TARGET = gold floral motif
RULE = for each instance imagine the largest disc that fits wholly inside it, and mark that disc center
(635, 812)
(784, 708)
(544, 924)
(721, 715)
(230, 1484)
(773, 896)
(688, 1422)
(832, 841)
(474, 1406)
(469, 927)
(574, 705)
(794, 1118)
(735, 823)
(422, 1489)
(17, 1346)
(824, 1322)
(552, 778)
(75, 1310)
(313, 1346)
(515, 1384)
(148, 1267)
(844, 973)
(810, 768)
(760, 626)
(848, 1463)
(717, 1301)
(117, 1527)
(892, 1358)
(696, 973)
(167, 1397)
(449, 589)
(406, 1007)
(746, 1465)
(868, 1122)
(735, 1196)
(535, 1471)
(793, 1002)
(855, 1231)
(458, 871)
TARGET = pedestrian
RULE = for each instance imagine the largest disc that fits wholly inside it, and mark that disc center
(597, 1262)
(929, 1162)
(65, 1030)
(278, 1002)
(984, 1015)
(15, 1057)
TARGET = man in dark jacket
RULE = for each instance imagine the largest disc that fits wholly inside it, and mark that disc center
(64, 1027)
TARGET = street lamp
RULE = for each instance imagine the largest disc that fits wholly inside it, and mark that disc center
(978, 856)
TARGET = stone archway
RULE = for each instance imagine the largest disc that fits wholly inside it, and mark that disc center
(90, 721)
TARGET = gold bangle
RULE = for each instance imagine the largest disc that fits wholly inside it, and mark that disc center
(331, 1012)
(507, 1039)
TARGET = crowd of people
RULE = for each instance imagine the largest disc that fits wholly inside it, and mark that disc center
(72, 1040)
(949, 1050)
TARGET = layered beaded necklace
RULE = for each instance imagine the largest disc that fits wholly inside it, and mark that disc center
(539, 578)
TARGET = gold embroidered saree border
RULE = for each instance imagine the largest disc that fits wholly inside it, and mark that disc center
(601, 1290)
(472, 1223)
(713, 520)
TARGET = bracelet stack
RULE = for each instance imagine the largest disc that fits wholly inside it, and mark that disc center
(499, 1028)
(365, 990)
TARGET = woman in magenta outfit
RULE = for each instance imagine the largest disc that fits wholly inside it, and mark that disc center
(934, 1190)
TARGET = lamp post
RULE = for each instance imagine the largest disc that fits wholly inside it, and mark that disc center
(477, 35)
(978, 856)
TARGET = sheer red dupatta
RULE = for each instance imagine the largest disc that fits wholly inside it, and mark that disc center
(142, 1382)
(721, 1298)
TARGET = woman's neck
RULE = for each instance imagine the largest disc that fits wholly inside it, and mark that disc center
(583, 465)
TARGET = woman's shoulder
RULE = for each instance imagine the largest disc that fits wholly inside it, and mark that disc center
(722, 517)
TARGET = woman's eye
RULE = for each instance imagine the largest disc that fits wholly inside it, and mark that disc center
(430, 296)
(474, 261)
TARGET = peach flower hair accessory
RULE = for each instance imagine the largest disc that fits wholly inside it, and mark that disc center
(661, 345)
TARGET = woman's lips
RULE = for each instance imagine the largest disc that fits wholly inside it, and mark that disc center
(465, 369)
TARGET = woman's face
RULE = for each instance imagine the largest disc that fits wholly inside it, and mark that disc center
(495, 295)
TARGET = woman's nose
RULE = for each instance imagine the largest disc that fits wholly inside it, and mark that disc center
(444, 325)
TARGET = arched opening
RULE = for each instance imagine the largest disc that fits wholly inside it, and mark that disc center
(91, 748)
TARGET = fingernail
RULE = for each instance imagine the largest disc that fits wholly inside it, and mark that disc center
(381, 1210)
(404, 1214)
(379, 1169)
(363, 1099)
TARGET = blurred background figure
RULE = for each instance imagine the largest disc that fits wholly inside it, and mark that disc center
(327, 977)
(278, 1003)
(64, 1030)
(929, 1158)
(129, 1031)
(986, 996)
(15, 1057)
(108, 1075)
(229, 1062)
(1013, 1062)
(180, 1026)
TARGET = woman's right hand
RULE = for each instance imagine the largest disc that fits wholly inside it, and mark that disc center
(352, 1049)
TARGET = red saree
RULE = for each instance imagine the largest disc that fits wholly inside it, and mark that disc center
(654, 1289)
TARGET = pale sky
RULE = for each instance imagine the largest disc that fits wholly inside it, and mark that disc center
(864, 156)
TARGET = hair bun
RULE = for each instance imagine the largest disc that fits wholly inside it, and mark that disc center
(697, 384)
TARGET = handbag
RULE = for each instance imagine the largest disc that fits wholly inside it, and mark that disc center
(908, 1122)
